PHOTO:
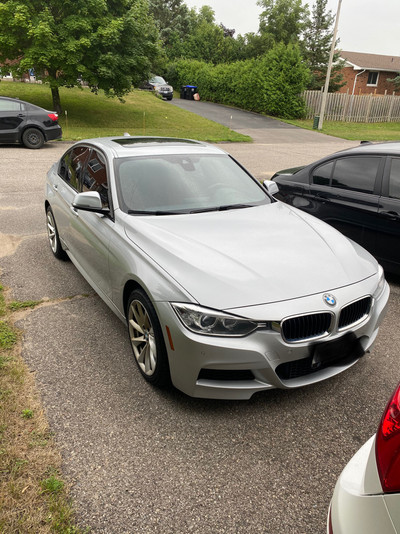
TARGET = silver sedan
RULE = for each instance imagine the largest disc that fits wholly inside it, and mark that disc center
(225, 291)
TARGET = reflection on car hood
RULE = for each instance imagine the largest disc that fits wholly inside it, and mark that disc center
(251, 256)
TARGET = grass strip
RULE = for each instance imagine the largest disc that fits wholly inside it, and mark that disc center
(33, 496)
(355, 131)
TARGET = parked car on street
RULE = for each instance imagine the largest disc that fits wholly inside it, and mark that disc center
(357, 191)
(367, 494)
(225, 290)
(22, 122)
(160, 86)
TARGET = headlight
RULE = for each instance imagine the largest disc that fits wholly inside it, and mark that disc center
(381, 283)
(210, 322)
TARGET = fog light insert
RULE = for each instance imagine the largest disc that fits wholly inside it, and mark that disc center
(225, 374)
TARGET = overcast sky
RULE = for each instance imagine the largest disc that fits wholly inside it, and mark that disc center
(364, 25)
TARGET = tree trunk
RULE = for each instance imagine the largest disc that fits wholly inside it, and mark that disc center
(56, 100)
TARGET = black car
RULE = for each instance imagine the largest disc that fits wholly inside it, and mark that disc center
(22, 122)
(357, 191)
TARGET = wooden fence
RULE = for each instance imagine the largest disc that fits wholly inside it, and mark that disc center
(354, 108)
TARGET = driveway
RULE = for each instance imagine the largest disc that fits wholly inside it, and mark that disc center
(142, 460)
(276, 145)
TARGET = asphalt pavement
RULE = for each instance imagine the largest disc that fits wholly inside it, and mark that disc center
(276, 145)
(142, 460)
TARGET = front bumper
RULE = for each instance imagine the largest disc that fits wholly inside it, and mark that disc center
(236, 368)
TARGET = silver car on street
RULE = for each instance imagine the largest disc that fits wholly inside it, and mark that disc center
(225, 290)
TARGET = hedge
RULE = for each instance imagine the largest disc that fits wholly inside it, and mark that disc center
(270, 84)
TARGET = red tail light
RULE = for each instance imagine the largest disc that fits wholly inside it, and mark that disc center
(53, 116)
(387, 449)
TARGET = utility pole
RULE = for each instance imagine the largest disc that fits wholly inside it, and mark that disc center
(328, 72)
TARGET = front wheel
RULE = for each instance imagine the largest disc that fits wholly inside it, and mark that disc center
(33, 138)
(147, 340)
(53, 236)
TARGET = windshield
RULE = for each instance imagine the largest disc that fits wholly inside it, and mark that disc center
(166, 185)
(157, 80)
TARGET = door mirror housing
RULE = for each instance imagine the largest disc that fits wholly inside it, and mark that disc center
(89, 201)
(271, 187)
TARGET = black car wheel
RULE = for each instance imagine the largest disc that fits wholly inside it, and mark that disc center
(54, 239)
(33, 138)
(147, 340)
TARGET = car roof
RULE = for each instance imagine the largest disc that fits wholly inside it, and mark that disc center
(128, 146)
(388, 147)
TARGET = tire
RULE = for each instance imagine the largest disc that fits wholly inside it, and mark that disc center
(53, 236)
(33, 138)
(146, 339)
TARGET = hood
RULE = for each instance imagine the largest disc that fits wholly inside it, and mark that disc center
(251, 256)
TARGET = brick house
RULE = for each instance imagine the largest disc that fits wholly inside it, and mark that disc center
(368, 73)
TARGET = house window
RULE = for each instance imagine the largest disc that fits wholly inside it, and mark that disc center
(373, 78)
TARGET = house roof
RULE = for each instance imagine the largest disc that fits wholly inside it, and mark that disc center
(359, 60)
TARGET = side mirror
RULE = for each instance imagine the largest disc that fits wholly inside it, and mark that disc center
(89, 201)
(271, 187)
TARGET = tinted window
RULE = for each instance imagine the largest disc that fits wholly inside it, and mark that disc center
(95, 177)
(9, 105)
(322, 175)
(184, 184)
(72, 166)
(357, 174)
(394, 183)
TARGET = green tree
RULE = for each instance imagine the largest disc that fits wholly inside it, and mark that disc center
(108, 43)
(282, 21)
(206, 40)
(316, 45)
(173, 19)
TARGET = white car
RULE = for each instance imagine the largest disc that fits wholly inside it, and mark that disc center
(225, 290)
(366, 499)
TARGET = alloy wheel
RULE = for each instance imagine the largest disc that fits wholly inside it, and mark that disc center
(142, 338)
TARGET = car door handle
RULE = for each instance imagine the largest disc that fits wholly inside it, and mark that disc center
(391, 215)
(55, 187)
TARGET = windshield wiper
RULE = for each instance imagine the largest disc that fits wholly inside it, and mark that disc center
(157, 212)
(235, 207)
(223, 208)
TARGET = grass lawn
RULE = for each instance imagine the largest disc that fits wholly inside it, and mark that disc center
(142, 113)
(356, 131)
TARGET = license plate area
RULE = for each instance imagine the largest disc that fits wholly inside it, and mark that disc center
(338, 351)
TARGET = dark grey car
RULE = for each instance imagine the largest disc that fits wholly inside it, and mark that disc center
(357, 191)
(22, 122)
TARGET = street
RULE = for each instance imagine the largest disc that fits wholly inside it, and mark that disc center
(142, 460)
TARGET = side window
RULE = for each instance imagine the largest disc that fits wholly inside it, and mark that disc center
(356, 174)
(322, 174)
(9, 105)
(95, 177)
(72, 166)
(394, 182)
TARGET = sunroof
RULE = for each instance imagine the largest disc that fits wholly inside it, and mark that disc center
(127, 141)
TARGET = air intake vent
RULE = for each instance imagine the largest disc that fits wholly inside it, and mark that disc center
(354, 312)
(306, 327)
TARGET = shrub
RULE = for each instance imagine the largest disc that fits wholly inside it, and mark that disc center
(270, 84)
